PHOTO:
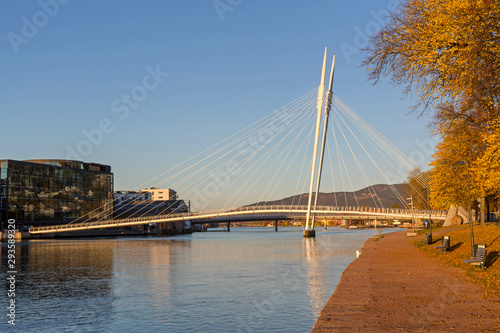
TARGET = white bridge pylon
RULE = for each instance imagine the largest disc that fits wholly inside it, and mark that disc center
(309, 228)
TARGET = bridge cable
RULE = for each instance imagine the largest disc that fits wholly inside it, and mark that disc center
(307, 95)
(358, 164)
(375, 164)
(269, 154)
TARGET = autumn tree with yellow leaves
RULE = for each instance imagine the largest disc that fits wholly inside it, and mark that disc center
(479, 145)
(488, 164)
(448, 181)
(443, 52)
(447, 54)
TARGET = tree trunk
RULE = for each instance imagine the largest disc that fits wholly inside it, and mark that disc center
(481, 211)
(488, 211)
(498, 209)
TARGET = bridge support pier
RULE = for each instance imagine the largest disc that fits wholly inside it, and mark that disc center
(228, 226)
(326, 223)
(310, 233)
(276, 225)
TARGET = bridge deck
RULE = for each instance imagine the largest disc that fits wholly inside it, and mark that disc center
(253, 213)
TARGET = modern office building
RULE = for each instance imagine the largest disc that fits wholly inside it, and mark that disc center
(52, 191)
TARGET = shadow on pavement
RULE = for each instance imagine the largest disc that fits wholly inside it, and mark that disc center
(454, 247)
(491, 258)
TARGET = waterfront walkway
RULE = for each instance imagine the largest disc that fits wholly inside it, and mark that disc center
(393, 286)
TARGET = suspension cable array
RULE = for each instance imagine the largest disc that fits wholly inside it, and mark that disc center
(258, 164)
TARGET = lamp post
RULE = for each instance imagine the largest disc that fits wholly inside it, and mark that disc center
(470, 210)
(430, 219)
(411, 206)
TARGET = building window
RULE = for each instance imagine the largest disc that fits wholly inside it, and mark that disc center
(47, 192)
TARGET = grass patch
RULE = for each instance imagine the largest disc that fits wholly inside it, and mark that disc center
(426, 230)
(461, 249)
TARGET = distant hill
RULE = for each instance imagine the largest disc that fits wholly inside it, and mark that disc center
(367, 196)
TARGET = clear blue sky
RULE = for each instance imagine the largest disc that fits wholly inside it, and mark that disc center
(65, 67)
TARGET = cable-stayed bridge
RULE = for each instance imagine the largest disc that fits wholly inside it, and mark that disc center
(273, 157)
(254, 213)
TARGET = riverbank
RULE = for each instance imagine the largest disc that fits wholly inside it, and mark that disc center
(394, 286)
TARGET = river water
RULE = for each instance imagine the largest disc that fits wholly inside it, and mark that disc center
(246, 280)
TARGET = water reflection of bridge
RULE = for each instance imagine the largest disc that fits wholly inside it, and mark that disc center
(252, 214)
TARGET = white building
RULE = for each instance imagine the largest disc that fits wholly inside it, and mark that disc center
(161, 193)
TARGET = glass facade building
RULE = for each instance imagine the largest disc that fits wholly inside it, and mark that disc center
(54, 191)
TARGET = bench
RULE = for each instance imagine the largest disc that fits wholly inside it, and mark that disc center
(445, 244)
(428, 239)
(479, 257)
